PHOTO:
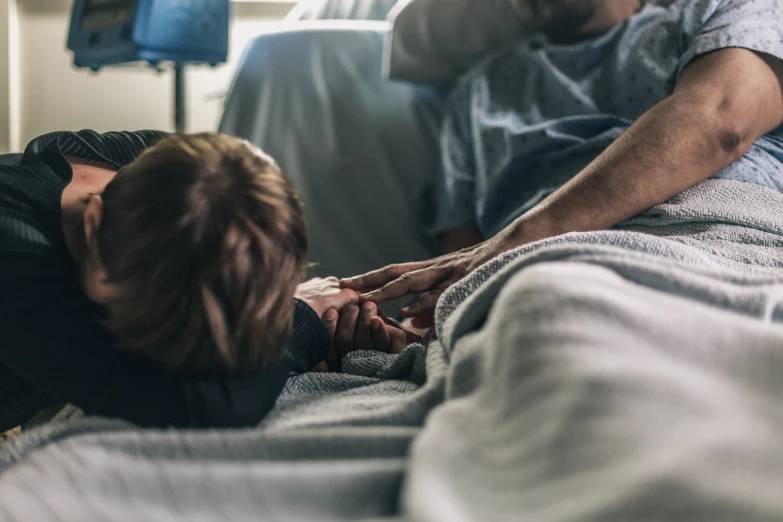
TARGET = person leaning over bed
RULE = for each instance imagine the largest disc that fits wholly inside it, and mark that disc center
(610, 108)
(154, 278)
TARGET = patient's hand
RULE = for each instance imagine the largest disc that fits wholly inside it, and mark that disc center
(420, 324)
(363, 328)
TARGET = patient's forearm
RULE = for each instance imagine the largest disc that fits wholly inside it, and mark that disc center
(669, 149)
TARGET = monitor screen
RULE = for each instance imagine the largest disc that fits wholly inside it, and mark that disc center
(102, 14)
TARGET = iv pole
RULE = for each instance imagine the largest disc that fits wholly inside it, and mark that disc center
(179, 98)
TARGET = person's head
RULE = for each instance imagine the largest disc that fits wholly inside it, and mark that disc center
(566, 21)
(195, 250)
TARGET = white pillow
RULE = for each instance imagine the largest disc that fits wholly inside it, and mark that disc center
(437, 40)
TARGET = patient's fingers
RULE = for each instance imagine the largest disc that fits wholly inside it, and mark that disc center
(408, 283)
(330, 318)
(410, 337)
(427, 302)
(332, 362)
(398, 341)
(343, 338)
(380, 335)
(380, 277)
(363, 338)
(424, 320)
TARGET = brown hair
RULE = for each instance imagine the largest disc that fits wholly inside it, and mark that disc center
(205, 239)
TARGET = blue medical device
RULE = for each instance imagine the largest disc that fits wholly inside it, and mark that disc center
(159, 32)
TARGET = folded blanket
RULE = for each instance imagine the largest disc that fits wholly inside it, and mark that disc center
(630, 374)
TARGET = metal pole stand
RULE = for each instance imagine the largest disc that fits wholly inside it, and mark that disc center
(179, 98)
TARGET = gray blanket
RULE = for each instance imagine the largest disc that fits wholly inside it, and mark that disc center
(632, 374)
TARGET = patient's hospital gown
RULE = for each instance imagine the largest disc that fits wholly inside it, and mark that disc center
(529, 118)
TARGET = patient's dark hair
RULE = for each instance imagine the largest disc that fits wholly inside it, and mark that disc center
(205, 239)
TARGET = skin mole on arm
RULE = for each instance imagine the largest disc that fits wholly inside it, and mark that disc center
(729, 140)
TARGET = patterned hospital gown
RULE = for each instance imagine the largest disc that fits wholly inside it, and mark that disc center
(526, 120)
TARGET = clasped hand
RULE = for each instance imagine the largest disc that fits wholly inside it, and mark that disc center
(356, 323)
(352, 326)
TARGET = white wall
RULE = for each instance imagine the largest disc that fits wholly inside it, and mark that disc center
(9, 91)
(54, 95)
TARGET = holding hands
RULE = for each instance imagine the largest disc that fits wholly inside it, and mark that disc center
(352, 326)
(355, 321)
(365, 327)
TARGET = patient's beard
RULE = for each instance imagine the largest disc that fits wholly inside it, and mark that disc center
(562, 22)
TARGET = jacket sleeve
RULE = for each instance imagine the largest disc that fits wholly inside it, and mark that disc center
(310, 341)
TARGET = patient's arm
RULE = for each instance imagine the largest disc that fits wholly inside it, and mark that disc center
(723, 102)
